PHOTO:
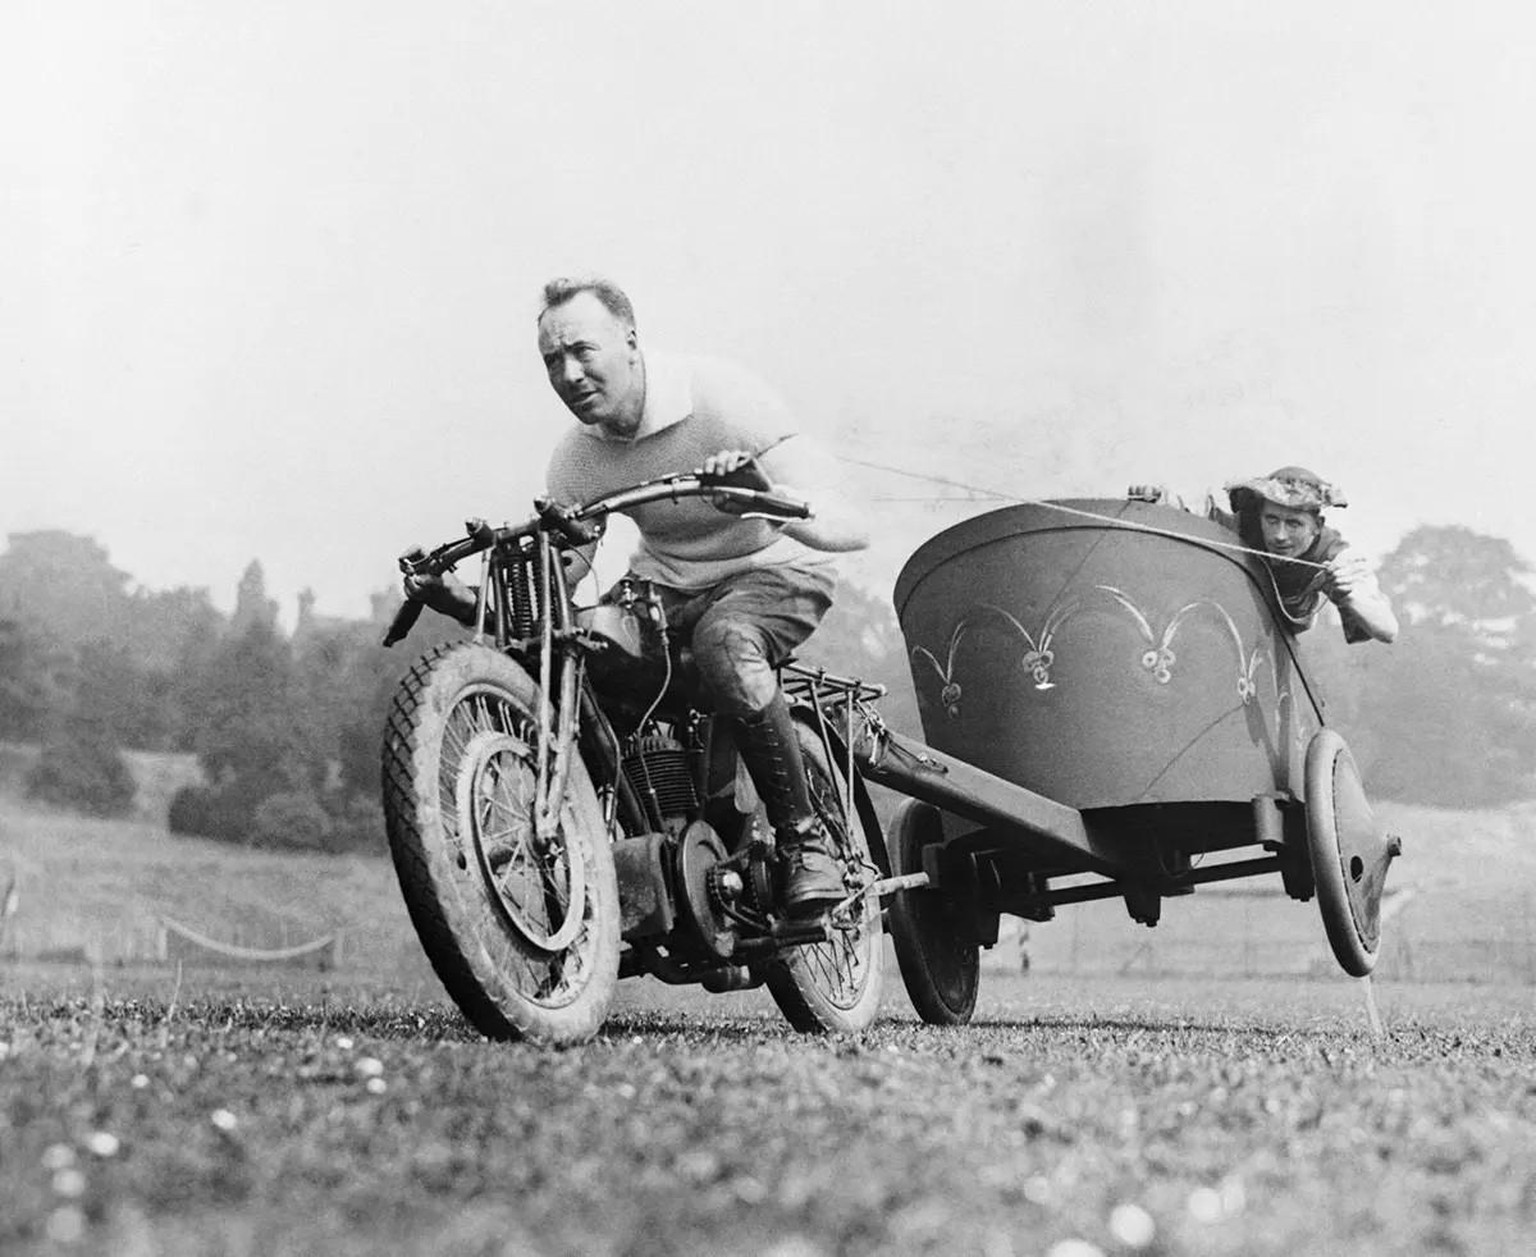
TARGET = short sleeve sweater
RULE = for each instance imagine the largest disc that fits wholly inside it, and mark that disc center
(694, 407)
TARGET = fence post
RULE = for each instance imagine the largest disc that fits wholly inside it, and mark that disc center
(1530, 942)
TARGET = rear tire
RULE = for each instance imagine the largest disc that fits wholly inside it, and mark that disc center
(526, 941)
(833, 987)
(941, 971)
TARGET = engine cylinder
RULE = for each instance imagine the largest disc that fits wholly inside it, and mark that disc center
(658, 768)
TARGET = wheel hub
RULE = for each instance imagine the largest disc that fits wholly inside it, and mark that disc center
(537, 885)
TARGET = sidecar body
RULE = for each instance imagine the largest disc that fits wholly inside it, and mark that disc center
(1109, 688)
(1102, 665)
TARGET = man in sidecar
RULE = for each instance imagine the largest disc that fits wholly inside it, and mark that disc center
(1281, 515)
(745, 592)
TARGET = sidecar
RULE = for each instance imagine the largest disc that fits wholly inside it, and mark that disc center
(1112, 706)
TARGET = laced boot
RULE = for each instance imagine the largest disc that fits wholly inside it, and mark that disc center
(812, 879)
(812, 876)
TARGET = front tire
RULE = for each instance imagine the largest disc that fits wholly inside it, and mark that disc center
(833, 987)
(524, 935)
(1350, 850)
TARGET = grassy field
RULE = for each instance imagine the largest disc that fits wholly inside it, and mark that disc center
(1211, 1086)
(1149, 1116)
(101, 888)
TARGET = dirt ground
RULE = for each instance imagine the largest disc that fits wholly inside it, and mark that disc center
(244, 1116)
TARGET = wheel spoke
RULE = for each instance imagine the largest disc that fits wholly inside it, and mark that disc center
(839, 969)
(539, 890)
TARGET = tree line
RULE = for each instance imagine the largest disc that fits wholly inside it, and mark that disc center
(286, 725)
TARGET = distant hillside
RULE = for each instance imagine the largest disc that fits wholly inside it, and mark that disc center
(156, 776)
(1491, 849)
(1464, 907)
(1461, 906)
(103, 885)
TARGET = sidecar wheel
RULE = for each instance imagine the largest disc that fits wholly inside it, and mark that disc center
(1350, 853)
(525, 937)
(941, 970)
(832, 987)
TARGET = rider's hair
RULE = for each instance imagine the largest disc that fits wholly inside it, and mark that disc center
(558, 291)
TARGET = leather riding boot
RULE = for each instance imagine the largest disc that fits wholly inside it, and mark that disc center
(812, 877)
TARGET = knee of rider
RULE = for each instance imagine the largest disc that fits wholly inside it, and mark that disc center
(733, 660)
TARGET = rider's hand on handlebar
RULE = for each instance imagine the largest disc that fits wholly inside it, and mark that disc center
(446, 594)
(739, 470)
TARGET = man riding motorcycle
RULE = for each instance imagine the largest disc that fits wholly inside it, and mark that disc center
(744, 591)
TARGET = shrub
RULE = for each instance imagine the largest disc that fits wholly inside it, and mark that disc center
(80, 768)
(292, 819)
(203, 812)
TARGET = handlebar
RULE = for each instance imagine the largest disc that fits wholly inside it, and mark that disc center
(760, 502)
(583, 525)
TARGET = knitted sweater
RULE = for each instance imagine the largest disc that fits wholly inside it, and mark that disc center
(695, 407)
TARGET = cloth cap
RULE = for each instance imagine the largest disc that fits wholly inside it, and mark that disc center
(1295, 488)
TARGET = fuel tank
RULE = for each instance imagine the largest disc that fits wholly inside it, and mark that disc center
(1105, 653)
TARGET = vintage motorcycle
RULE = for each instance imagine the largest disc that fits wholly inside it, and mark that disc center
(563, 811)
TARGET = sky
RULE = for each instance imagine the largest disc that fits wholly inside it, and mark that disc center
(269, 272)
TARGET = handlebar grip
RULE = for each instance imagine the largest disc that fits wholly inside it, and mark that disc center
(790, 508)
(404, 621)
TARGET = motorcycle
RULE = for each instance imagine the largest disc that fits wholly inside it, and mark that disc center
(564, 811)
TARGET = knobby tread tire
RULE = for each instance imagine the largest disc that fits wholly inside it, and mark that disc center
(434, 882)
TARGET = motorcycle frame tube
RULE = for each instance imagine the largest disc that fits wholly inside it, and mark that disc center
(543, 826)
(557, 719)
(571, 672)
(816, 691)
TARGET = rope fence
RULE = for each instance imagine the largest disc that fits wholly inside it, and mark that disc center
(177, 941)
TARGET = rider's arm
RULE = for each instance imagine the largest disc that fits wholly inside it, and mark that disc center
(445, 594)
(799, 468)
(1364, 609)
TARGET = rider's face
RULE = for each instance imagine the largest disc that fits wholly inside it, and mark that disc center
(593, 361)
(1288, 532)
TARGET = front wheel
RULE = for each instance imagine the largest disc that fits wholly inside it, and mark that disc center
(522, 931)
(1351, 852)
(833, 987)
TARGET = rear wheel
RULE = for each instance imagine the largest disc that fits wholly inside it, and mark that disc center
(941, 970)
(523, 932)
(833, 987)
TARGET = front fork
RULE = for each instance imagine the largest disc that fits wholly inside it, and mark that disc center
(557, 721)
